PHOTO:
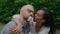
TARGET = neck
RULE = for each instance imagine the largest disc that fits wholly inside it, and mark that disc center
(39, 23)
(24, 21)
(23, 18)
(38, 26)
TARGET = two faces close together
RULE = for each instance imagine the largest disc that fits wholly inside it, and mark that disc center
(43, 18)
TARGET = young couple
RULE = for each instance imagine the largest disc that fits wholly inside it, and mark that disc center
(29, 23)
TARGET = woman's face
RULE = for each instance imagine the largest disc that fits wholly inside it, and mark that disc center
(39, 16)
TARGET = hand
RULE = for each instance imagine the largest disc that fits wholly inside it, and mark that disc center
(19, 27)
(15, 30)
(29, 32)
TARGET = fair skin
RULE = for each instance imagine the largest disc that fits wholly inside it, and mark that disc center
(27, 12)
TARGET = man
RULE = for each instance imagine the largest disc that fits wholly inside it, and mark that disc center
(25, 12)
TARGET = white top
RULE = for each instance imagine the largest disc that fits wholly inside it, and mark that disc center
(43, 30)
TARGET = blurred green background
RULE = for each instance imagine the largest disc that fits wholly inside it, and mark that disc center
(10, 7)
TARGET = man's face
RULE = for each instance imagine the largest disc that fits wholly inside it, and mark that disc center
(28, 12)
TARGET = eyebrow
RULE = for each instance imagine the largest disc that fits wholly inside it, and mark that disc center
(30, 10)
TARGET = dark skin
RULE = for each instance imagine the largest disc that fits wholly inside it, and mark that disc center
(39, 20)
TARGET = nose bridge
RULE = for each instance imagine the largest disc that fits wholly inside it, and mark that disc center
(31, 13)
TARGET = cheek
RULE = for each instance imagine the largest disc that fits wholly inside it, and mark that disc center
(41, 17)
(37, 18)
(27, 14)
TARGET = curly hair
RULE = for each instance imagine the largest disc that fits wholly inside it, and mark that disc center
(48, 16)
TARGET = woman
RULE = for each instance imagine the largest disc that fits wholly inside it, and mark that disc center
(44, 23)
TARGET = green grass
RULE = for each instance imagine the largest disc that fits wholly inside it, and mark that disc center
(58, 31)
(2, 25)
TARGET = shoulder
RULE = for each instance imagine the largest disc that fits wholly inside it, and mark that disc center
(44, 30)
(46, 27)
(16, 16)
(5, 29)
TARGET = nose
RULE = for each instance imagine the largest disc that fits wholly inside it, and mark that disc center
(31, 14)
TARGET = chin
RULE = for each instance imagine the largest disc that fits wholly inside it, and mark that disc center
(35, 19)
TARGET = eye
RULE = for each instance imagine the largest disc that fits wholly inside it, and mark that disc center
(30, 11)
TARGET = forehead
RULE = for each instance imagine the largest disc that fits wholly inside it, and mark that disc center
(30, 9)
(41, 12)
